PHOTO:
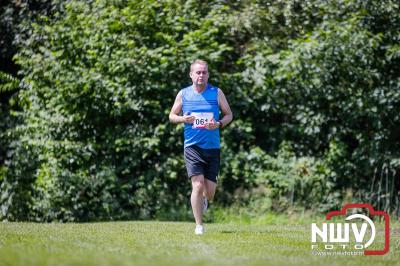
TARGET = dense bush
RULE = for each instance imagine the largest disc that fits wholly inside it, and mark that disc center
(95, 141)
(104, 78)
(280, 181)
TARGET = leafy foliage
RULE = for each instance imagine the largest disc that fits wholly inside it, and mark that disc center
(8, 83)
(314, 87)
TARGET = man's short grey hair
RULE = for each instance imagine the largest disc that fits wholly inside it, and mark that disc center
(200, 62)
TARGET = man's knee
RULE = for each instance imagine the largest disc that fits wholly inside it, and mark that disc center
(198, 184)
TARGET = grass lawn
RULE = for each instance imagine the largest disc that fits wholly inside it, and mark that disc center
(169, 243)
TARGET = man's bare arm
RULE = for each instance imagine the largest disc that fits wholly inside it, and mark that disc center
(174, 116)
(225, 108)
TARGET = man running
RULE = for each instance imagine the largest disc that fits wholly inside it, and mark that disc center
(198, 107)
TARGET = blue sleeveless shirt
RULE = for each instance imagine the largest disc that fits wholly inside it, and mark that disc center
(205, 102)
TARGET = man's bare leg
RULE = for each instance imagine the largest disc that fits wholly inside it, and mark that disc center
(209, 189)
(198, 185)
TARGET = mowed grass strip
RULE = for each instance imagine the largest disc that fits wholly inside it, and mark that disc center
(169, 243)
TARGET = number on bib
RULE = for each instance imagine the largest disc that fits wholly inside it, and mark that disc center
(200, 119)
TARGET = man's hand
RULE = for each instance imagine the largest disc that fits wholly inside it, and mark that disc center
(212, 125)
(188, 119)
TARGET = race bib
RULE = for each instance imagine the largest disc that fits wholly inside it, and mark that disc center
(200, 119)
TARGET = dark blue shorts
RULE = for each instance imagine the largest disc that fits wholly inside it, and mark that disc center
(202, 162)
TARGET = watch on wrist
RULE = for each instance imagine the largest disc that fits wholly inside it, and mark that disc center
(220, 124)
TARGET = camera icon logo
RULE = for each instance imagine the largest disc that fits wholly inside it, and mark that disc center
(335, 236)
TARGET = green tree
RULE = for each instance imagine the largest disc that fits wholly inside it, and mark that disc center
(320, 77)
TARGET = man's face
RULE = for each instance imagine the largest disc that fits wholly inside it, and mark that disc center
(199, 75)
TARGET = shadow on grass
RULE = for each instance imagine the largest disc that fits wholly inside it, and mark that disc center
(228, 232)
